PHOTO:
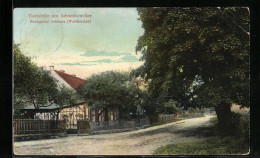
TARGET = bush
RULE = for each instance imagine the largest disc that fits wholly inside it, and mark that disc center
(240, 124)
(204, 110)
(242, 127)
(194, 112)
(170, 108)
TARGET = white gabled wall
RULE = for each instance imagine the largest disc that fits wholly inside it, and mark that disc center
(61, 81)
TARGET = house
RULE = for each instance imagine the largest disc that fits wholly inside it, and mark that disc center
(71, 113)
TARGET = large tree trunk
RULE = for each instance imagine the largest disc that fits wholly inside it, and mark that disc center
(223, 111)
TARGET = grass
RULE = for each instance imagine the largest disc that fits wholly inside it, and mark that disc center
(211, 146)
(212, 142)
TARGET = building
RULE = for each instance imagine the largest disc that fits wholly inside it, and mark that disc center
(71, 113)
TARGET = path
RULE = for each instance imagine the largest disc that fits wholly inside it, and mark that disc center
(139, 142)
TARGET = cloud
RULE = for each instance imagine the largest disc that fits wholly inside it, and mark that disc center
(100, 61)
(95, 58)
(87, 71)
(101, 53)
(72, 64)
(125, 58)
(87, 63)
(128, 58)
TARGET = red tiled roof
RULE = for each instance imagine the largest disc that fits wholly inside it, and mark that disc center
(73, 81)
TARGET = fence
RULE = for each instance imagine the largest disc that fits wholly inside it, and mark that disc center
(142, 122)
(84, 126)
(111, 125)
(166, 118)
(120, 124)
(34, 127)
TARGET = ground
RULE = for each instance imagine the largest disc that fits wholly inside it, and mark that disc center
(139, 142)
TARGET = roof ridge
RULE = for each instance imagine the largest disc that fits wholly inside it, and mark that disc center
(73, 81)
(70, 75)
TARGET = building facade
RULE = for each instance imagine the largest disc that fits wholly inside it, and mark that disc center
(70, 113)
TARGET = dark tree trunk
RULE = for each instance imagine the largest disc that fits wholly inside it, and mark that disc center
(106, 114)
(223, 111)
(96, 116)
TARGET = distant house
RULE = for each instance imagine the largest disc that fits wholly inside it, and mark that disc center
(71, 113)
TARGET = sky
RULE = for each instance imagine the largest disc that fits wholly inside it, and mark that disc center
(104, 39)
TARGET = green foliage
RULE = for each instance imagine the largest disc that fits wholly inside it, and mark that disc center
(170, 107)
(151, 107)
(17, 114)
(198, 57)
(35, 86)
(213, 140)
(64, 96)
(138, 72)
(244, 126)
(194, 110)
(210, 45)
(211, 146)
(240, 124)
(112, 90)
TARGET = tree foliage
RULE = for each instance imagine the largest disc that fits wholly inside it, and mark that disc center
(196, 55)
(111, 90)
(35, 86)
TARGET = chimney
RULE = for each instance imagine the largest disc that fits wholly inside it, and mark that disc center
(51, 68)
(73, 75)
(62, 71)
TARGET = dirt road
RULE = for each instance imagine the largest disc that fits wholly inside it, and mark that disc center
(139, 142)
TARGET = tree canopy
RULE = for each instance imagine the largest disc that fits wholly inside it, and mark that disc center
(196, 55)
(35, 86)
(111, 90)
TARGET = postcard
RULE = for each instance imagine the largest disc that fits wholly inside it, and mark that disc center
(131, 81)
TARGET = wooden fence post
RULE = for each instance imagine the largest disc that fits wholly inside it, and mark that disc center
(33, 126)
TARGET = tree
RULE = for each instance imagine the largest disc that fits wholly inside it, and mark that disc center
(197, 56)
(111, 90)
(35, 86)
